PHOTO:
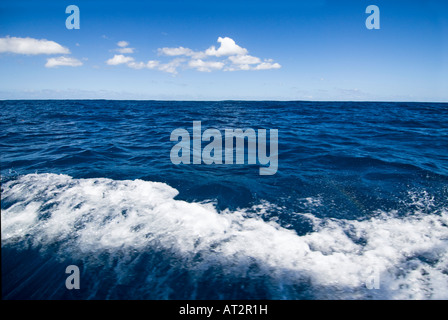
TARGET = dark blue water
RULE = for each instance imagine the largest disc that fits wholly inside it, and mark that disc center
(360, 186)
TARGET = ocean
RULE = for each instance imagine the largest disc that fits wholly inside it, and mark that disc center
(357, 208)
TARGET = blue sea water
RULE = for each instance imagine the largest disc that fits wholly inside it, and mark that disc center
(360, 199)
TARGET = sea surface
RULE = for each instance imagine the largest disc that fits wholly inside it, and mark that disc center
(358, 208)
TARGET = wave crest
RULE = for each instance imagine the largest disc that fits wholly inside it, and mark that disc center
(83, 218)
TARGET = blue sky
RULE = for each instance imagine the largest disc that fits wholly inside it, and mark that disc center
(267, 50)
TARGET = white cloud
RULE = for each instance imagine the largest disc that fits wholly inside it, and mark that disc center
(171, 67)
(245, 63)
(136, 65)
(205, 66)
(125, 50)
(180, 51)
(122, 44)
(151, 64)
(244, 59)
(228, 47)
(230, 56)
(119, 59)
(62, 61)
(268, 64)
(238, 67)
(31, 46)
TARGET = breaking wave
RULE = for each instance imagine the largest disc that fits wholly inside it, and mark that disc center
(134, 227)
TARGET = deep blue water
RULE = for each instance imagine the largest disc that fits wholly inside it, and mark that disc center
(361, 189)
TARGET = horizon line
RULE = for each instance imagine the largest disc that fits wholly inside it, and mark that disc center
(222, 100)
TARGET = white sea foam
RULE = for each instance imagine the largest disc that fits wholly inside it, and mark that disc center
(85, 217)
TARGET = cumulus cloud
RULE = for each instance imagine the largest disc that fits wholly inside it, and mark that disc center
(228, 47)
(205, 66)
(231, 56)
(151, 64)
(171, 67)
(119, 59)
(31, 46)
(136, 65)
(62, 61)
(122, 44)
(123, 47)
(268, 64)
(238, 67)
(244, 59)
(180, 51)
(125, 50)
